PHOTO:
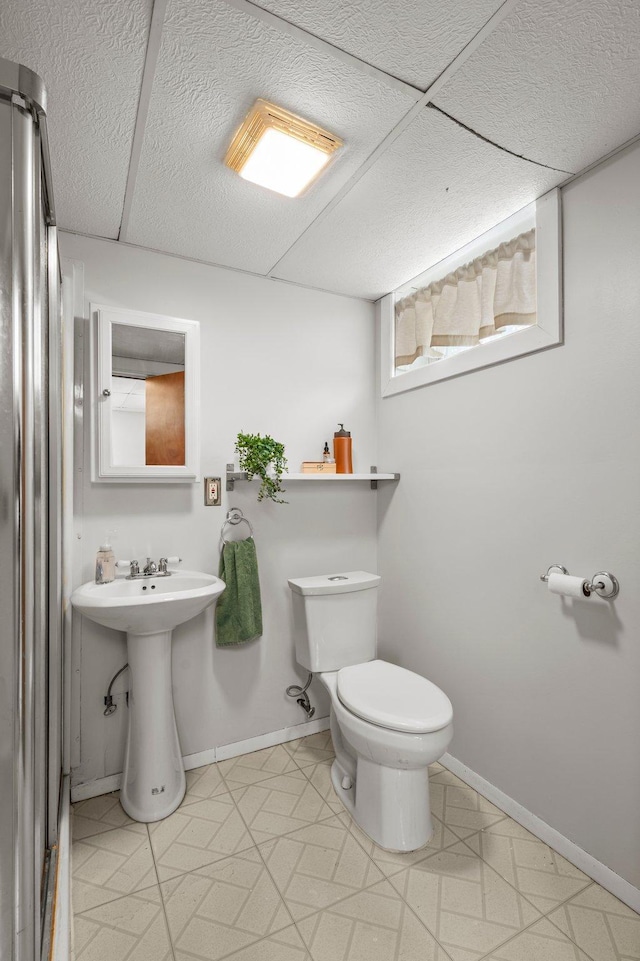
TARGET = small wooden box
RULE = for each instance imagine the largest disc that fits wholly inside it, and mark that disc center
(317, 467)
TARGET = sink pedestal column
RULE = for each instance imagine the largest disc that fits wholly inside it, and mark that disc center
(153, 783)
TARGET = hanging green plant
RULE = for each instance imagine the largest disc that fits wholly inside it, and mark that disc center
(263, 457)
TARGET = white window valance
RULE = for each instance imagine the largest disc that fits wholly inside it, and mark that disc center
(476, 301)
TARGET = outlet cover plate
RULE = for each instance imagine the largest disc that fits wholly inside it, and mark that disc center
(212, 491)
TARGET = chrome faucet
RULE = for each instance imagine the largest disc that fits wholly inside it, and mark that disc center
(149, 570)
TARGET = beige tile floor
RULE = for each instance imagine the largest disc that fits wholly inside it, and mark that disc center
(262, 863)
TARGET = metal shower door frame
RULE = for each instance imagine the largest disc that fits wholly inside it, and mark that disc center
(29, 688)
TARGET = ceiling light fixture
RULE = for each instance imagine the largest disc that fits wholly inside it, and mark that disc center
(280, 151)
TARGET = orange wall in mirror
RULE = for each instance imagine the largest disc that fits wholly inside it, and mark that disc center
(164, 433)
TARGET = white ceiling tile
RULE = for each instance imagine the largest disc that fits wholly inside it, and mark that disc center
(413, 40)
(557, 81)
(90, 54)
(214, 63)
(436, 189)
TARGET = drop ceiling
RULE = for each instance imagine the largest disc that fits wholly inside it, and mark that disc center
(453, 116)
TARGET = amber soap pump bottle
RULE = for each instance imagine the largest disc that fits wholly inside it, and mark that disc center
(342, 451)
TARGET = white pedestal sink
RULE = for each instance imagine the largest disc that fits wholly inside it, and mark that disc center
(148, 609)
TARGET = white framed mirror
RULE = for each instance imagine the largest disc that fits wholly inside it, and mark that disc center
(146, 396)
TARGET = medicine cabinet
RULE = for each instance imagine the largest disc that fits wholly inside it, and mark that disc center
(145, 397)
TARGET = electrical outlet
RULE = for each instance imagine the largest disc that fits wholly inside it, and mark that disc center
(212, 491)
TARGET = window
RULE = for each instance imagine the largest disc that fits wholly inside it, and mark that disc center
(497, 298)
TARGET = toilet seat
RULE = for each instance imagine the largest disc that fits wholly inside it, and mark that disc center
(393, 697)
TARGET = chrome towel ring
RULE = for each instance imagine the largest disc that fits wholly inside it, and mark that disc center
(234, 517)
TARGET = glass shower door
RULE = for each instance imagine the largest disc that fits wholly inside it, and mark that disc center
(30, 668)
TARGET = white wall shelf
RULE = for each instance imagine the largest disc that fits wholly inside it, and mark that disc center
(234, 475)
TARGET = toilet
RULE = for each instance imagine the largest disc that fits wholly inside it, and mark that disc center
(387, 724)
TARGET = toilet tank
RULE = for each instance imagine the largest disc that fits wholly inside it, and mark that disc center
(335, 622)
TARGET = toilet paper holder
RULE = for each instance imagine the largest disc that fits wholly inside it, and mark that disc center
(603, 584)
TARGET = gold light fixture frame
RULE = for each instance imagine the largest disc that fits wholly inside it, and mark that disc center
(264, 116)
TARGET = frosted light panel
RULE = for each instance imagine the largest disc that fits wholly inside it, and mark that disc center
(283, 163)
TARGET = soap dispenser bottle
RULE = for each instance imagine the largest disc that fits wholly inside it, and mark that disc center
(342, 451)
(105, 565)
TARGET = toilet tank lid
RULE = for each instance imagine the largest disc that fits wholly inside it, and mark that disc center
(394, 698)
(338, 583)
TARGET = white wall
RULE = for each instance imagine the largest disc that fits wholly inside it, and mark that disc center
(128, 437)
(504, 472)
(275, 359)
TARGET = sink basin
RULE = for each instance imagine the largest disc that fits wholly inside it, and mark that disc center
(150, 605)
(153, 780)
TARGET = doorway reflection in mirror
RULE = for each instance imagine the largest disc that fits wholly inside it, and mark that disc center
(147, 396)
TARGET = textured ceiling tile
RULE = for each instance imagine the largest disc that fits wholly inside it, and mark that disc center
(90, 54)
(413, 40)
(213, 64)
(437, 188)
(557, 81)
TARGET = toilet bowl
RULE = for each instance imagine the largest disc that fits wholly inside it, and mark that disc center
(388, 724)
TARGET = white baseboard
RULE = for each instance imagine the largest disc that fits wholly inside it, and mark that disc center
(105, 785)
(101, 785)
(607, 878)
(268, 740)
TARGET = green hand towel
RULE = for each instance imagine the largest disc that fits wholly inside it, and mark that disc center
(239, 609)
